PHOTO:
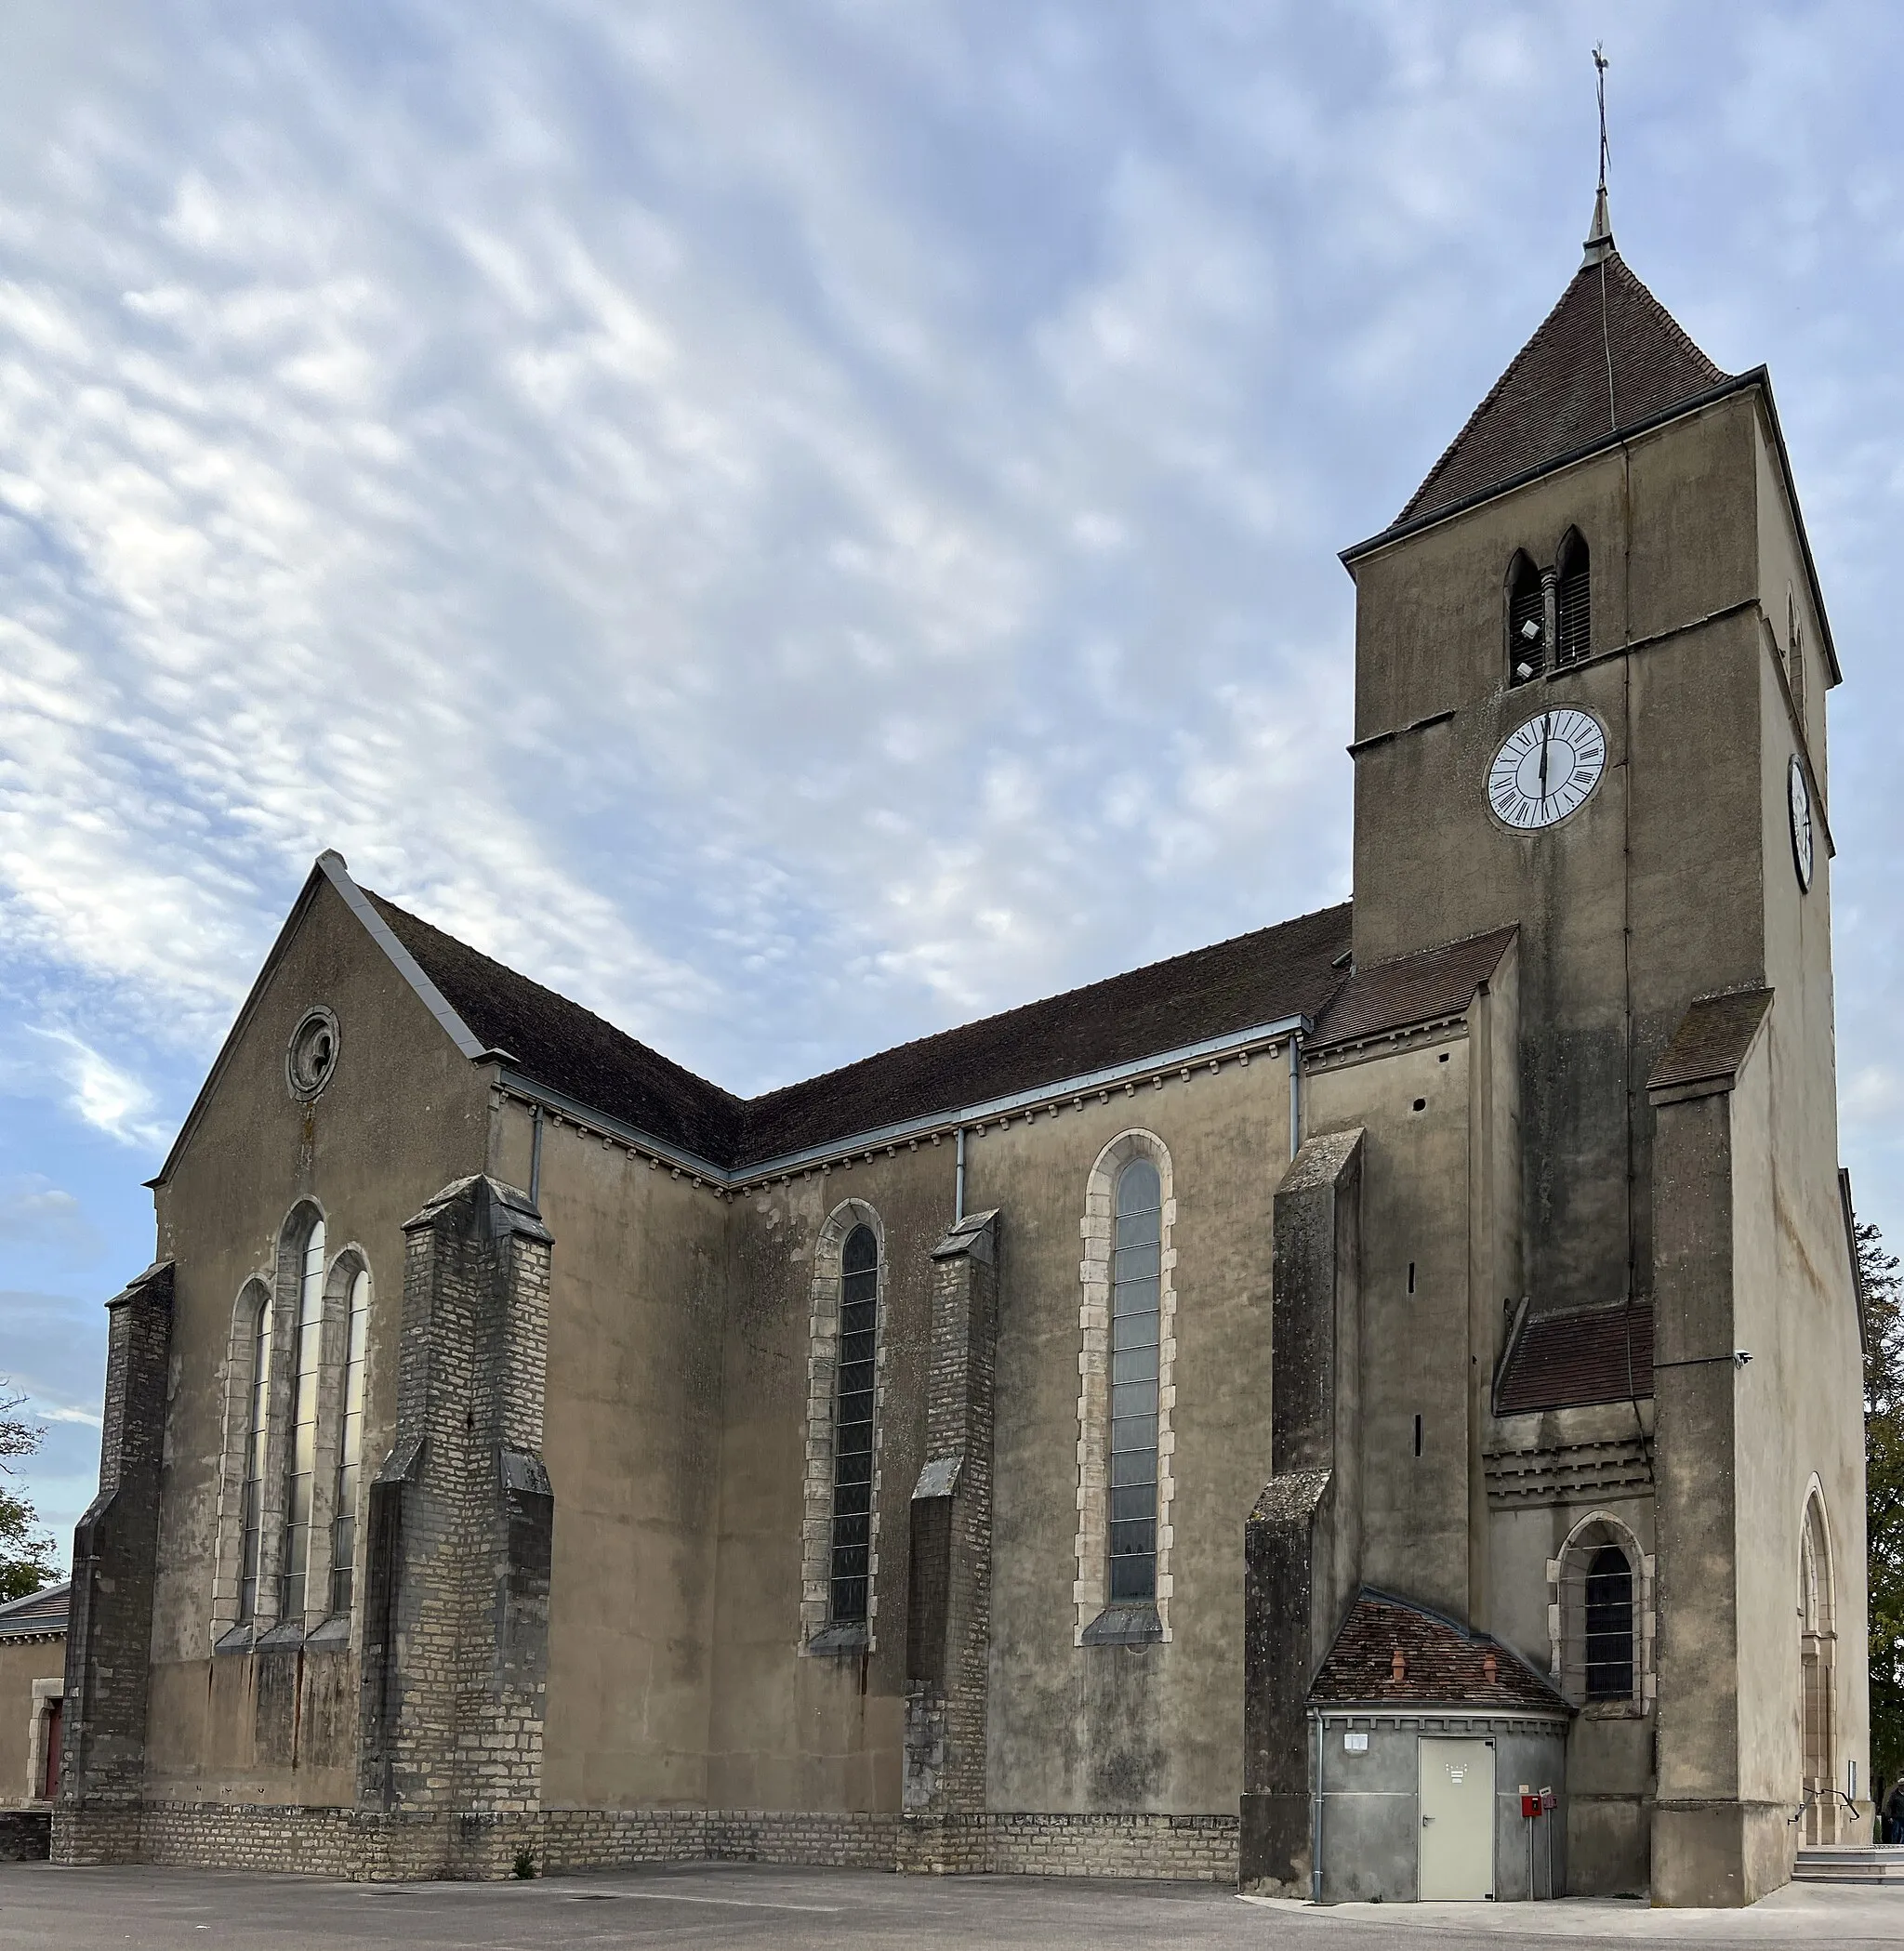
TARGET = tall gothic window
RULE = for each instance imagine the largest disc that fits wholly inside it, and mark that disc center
(1136, 1279)
(1527, 622)
(1609, 1622)
(852, 1427)
(256, 1429)
(349, 1444)
(1575, 616)
(301, 1461)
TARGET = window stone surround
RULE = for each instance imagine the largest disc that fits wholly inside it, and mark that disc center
(1089, 1590)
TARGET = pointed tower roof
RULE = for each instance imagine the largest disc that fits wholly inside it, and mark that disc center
(1610, 356)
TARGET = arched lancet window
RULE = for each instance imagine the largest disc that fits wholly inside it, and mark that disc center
(850, 1565)
(350, 1443)
(256, 1433)
(1600, 1601)
(1609, 1635)
(1136, 1291)
(300, 1463)
(1575, 609)
(1526, 621)
(1818, 1658)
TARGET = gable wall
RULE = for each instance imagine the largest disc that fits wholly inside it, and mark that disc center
(403, 1114)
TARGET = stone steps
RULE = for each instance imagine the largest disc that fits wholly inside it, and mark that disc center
(1847, 1863)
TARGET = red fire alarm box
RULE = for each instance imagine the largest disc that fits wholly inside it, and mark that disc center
(1531, 1806)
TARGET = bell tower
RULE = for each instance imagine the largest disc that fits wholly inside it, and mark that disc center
(1590, 669)
(1587, 653)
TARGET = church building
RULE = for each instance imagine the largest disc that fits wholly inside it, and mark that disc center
(1368, 1408)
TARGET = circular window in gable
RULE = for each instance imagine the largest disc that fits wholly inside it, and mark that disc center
(313, 1053)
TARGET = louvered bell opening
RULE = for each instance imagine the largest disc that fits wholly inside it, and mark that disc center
(1527, 626)
(1575, 621)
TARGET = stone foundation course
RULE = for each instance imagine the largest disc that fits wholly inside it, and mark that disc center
(359, 1846)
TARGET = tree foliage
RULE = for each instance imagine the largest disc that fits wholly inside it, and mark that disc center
(26, 1551)
(1884, 1466)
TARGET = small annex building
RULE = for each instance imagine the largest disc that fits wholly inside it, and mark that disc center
(1252, 1418)
(33, 1682)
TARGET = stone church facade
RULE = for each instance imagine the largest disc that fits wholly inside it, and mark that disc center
(1279, 1415)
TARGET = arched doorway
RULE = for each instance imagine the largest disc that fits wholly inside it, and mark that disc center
(1818, 1658)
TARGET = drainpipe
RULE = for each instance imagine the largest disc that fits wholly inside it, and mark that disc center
(535, 1162)
(1295, 1093)
(958, 1181)
(1316, 1732)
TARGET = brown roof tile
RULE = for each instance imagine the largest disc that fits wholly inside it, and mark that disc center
(1712, 1040)
(1588, 1355)
(1411, 989)
(1554, 398)
(1285, 970)
(1443, 1664)
(569, 1047)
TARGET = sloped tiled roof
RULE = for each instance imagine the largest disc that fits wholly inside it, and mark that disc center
(1443, 1664)
(1411, 989)
(1587, 1355)
(1608, 356)
(38, 1615)
(1258, 978)
(1274, 972)
(1712, 1040)
(569, 1047)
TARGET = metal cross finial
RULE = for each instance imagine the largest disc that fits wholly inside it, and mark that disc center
(1600, 238)
(1600, 87)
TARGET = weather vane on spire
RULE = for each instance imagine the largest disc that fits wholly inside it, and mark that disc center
(1600, 239)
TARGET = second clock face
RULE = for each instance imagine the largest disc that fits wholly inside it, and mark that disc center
(1547, 768)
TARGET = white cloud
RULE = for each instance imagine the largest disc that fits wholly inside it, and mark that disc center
(795, 525)
(107, 1098)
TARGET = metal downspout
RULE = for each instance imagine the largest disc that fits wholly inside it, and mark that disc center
(1295, 1093)
(959, 1181)
(535, 1162)
(1316, 1727)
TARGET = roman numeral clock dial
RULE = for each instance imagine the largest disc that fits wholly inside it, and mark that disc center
(1547, 769)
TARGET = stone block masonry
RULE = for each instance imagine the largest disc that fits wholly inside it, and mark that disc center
(359, 1845)
(115, 1559)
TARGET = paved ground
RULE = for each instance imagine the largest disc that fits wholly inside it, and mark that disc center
(714, 1905)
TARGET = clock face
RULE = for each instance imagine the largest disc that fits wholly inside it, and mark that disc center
(1803, 844)
(1547, 769)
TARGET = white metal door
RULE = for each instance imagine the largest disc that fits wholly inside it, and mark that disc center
(1457, 1861)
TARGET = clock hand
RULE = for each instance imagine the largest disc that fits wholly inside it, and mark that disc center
(1546, 726)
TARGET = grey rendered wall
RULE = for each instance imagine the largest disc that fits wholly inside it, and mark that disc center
(1417, 1187)
(1127, 1728)
(402, 1115)
(638, 1277)
(1372, 1812)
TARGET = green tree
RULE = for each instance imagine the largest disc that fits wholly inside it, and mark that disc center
(1883, 1469)
(26, 1552)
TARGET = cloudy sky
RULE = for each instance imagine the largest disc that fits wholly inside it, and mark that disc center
(797, 522)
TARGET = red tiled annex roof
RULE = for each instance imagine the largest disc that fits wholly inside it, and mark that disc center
(1554, 397)
(1589, 1356)
(1442, 1664)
